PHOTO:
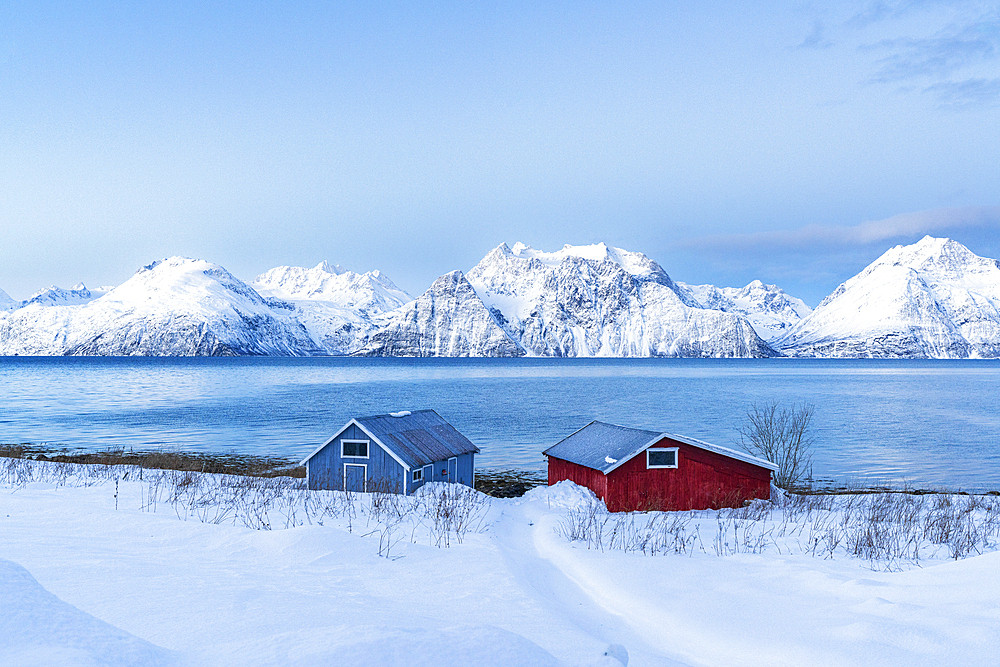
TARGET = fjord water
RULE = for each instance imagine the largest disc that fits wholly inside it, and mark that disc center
(929, 424)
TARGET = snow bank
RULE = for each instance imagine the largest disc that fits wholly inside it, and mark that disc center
(40, 629)
(564, 494)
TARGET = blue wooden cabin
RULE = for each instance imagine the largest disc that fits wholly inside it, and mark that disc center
(398, 452)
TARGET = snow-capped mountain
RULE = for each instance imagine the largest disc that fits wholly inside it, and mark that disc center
(369, 292)
(173, 307)
(6, 303)
(339, 308)
(932, 299)
(602, 301)
(770, 310)
(57, 296)
(448, 320)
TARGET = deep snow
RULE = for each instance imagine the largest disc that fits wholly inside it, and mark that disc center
(99, 574)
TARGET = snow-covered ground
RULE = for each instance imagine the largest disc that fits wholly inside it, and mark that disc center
(100, 569)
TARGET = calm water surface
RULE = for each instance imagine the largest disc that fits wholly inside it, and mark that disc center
(926, 423)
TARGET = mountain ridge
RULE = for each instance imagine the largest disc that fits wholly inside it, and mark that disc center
(340, 309)
(930, 299)
(171, 307)
(602, 301)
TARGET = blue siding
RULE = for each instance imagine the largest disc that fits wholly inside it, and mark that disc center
(422, 439)
(466, 466)
(326, 467)
(439, 471)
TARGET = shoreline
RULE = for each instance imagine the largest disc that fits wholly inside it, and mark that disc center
(507, 482)
(496, 482)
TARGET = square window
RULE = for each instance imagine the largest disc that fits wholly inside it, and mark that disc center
(418, 475)
(661, 458)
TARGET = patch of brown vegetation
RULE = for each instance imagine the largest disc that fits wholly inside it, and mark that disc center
(229, 464)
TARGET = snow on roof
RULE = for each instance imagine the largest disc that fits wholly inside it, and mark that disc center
(605, 447)
(416, 438)
(596, 442)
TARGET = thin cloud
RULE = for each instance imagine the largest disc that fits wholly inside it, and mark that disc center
(937, 56)
(813, 238)
(954, 62)
(876, 12)
(971, 92)
(816, 39)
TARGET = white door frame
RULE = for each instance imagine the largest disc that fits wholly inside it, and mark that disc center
(364, 475)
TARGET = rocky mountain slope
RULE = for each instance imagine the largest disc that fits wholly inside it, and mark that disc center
(173, 307)
(448, 320)
(771, 310)
(932, 299)
(602, 301)
(340, 309)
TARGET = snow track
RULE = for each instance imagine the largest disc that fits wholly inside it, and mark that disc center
(524, 536)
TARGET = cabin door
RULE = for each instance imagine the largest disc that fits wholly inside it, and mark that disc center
(354, 476)
(452, 470)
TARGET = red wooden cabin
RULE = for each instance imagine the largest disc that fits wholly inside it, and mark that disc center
(636, 470)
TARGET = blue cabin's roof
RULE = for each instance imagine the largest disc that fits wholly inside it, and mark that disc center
(416, 438)
(604, 447)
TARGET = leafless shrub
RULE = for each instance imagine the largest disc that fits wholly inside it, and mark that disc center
(388, 537)
(450, 510)
(754, 510)
(653, 533)
(782, 436)
(826, 541)
(650, 533)
(586, 524)
(386, 503)
(735, 535)
(888, 530)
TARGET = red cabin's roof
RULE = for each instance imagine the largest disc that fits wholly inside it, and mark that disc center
(604, 446)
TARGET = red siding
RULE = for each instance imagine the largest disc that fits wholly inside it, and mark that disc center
(595, 480)
(701, 480)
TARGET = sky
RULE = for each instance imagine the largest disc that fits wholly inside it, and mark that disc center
(791, 142)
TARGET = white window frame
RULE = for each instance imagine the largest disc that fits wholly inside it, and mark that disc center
(368, 449)
(662, 449)
(417, 475)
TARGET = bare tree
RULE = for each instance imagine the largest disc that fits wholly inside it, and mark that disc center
(783, 436)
